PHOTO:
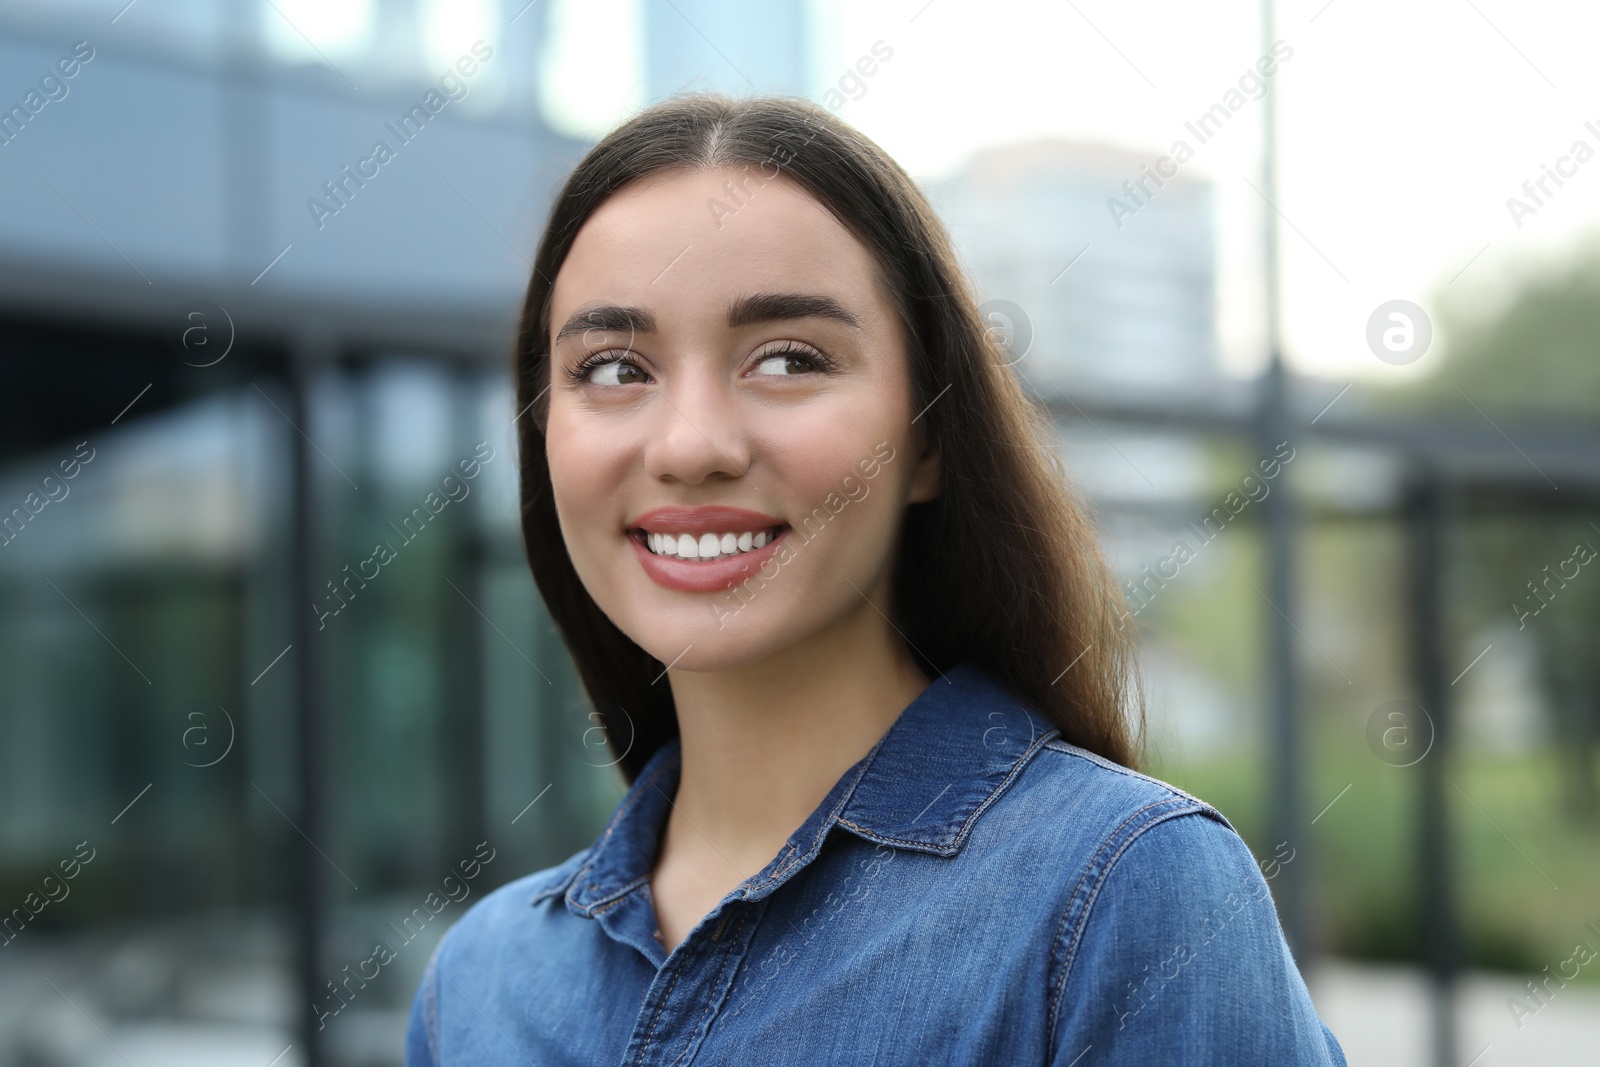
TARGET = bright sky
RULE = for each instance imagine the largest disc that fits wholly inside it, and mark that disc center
(1404, 129)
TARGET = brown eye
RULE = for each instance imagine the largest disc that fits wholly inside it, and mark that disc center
(614, 372)
(789, 361)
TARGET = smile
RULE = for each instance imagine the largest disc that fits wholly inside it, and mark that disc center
(705, 549)
(707, 546)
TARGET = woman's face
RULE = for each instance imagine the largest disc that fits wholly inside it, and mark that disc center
(730, 432)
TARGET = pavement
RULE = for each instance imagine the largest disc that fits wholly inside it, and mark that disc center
(1381, 1017)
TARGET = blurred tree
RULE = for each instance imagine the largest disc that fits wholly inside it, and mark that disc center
(1535, 360)
(1535, 357)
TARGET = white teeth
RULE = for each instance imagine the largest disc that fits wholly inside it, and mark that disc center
(706, 546)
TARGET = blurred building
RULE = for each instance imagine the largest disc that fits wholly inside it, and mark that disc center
(1114, 302)
(201, 196)
(728, 45)
(241, 232)
(399, 169)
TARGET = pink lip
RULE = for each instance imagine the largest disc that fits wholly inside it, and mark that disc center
(702, 576)
(697, 521)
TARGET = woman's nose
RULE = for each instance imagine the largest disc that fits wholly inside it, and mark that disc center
(697, 431)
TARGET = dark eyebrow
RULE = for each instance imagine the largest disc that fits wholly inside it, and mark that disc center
(608, 317)
(772, 307)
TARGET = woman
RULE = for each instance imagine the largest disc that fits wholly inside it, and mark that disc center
(856, 654)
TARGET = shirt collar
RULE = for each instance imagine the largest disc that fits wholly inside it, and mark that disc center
(923, 786)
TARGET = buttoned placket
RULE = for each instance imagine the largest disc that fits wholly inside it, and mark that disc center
(693, 981)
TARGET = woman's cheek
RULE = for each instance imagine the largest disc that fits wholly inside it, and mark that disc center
(576, 499)
(843, 519)
(578, 480)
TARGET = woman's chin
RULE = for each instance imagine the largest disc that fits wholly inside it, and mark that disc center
(709, 648)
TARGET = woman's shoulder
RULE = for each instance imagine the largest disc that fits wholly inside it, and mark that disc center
(469, 954)
(1108, 803)
(1163, 924)
(1127, 848)
(1040, 774)
(1120, 827)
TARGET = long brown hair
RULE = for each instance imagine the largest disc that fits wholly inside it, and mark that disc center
(1001, 569)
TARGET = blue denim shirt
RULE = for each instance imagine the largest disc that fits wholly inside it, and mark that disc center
(973, 891)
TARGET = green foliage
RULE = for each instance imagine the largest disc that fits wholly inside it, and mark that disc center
(1538, 355)
(1363, 853)
(1532, 363)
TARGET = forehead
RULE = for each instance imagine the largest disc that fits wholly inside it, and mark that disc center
(687, 242)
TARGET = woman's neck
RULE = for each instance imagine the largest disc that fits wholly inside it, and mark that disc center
(763, 745)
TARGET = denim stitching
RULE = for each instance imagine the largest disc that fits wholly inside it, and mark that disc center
(1089, 871)
(1071, 950)
(833, 817)
(615, 822)
(1064, 746)
(989, 801)
(603, 903)
(951, 849)
(867, 764)
(559, 886)
(655, 1019)
(726, 956)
